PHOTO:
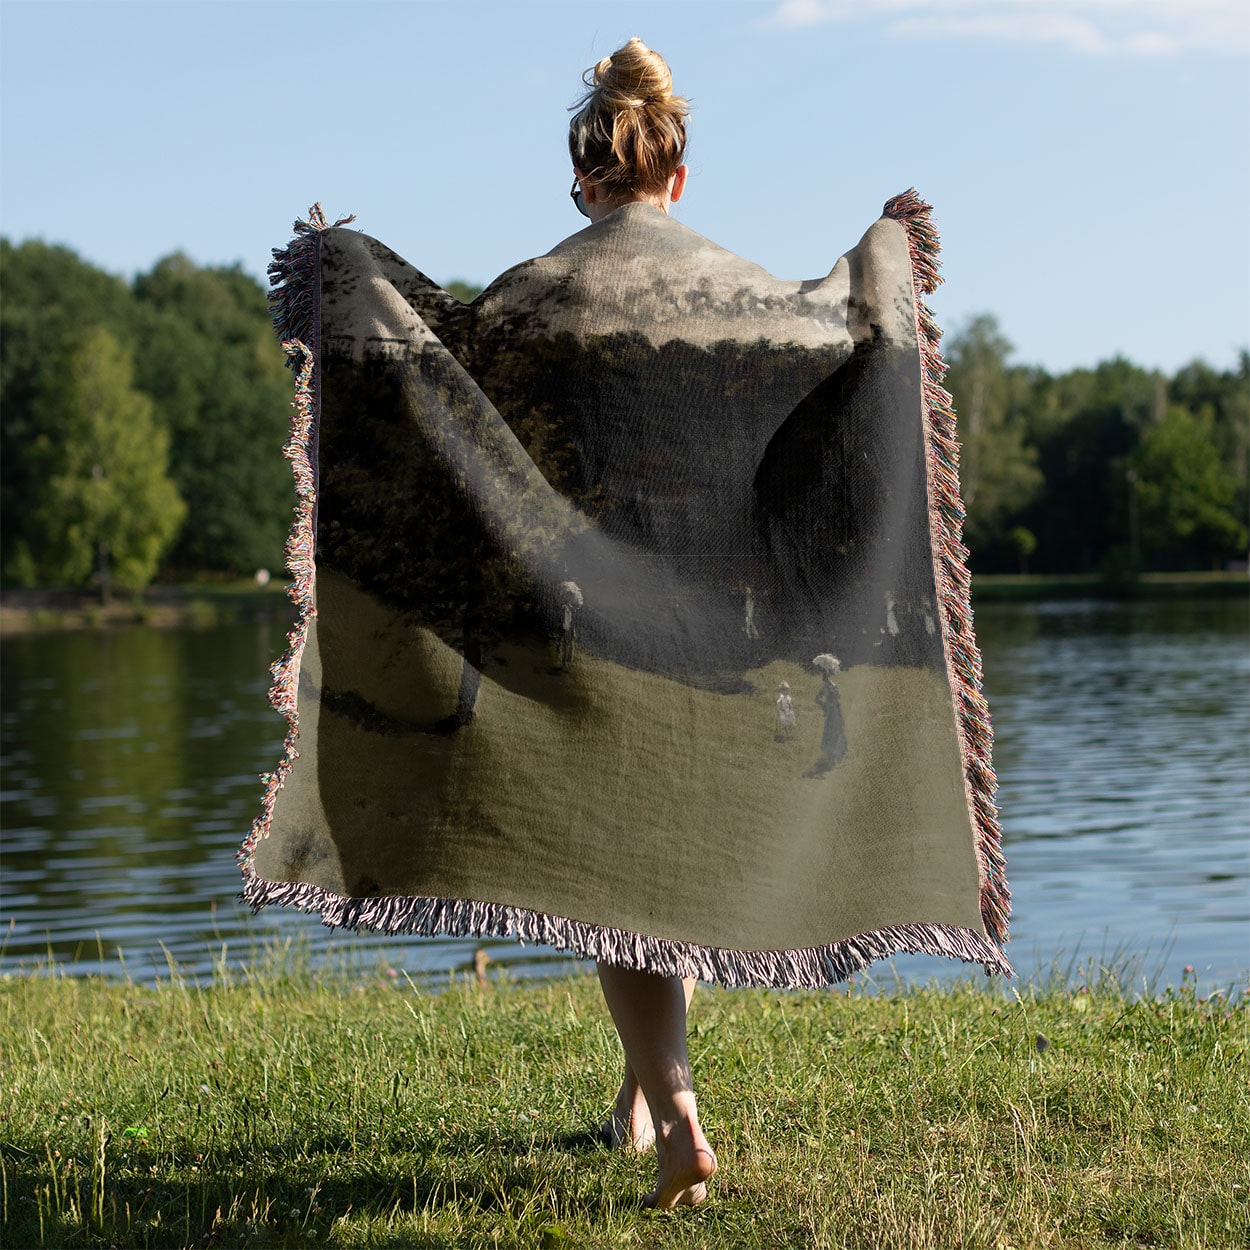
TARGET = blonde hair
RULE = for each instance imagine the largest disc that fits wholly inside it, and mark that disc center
(629, 131)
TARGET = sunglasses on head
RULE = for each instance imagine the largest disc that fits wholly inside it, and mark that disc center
(576, 196)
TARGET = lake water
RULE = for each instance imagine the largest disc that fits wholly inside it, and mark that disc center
(131, 758)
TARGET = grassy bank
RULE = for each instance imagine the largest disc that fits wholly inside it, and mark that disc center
(1000, 587)
(283, 1110)
(193, 603)
(214, 603)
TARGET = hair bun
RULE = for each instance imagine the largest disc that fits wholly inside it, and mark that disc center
(633, 76)
(629, 129)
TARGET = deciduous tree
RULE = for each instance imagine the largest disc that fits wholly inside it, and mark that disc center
(207, 356)
(998, 468)
(1187, 493)
(101, 504)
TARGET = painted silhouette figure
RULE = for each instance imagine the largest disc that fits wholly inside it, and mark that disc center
(785, 713)
(748, 624)
(570, 599)
(930, 625)
(888, 639)
(833, 736)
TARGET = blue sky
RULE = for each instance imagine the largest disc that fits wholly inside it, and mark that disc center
(1087, 159)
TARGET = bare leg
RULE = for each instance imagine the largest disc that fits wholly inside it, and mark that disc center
(649, 1012)
(629, 1127)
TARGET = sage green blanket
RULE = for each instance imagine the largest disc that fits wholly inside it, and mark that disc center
(634, 618)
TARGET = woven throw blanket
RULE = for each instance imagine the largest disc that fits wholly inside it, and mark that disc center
(633, 616)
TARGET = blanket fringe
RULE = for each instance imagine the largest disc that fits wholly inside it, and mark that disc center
(810, 968)
(294, 303)
(295, 278)
(954, 584)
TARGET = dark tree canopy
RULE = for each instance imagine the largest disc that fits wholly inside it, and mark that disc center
(1074, 473)
(1113, 467)
(208, 357)
(206, 365)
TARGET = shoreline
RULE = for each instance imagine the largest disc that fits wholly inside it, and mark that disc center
(201, 605)
(1036, 587)
(175, 606)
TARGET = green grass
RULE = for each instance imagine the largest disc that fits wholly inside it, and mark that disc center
(281, 1108)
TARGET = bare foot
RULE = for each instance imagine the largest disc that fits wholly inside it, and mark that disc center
(686, 1165)
(629, 1126)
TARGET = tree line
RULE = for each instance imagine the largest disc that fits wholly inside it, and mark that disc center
(1114, 470)
(140, 424)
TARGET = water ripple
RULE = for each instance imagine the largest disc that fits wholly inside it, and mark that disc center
(132, 758)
